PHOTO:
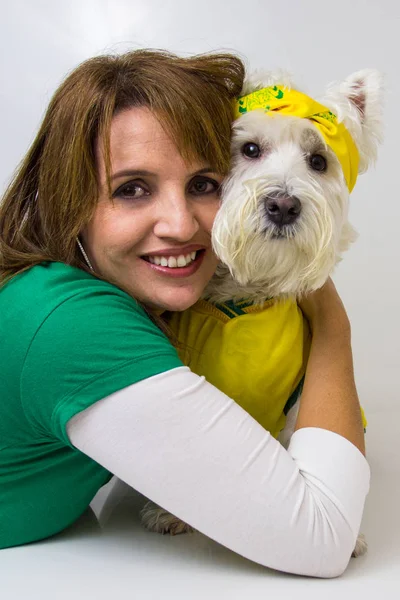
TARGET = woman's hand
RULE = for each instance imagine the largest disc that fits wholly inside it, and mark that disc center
(324, 311)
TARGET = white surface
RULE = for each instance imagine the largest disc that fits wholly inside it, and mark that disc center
(113, 557)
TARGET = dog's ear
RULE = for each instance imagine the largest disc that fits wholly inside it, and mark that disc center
(358, 102)
(258, 79)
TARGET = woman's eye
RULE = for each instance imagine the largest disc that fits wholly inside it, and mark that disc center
(131, 190)
(203, 186)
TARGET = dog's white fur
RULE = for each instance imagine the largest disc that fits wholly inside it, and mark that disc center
(303, 256)
(260, 260)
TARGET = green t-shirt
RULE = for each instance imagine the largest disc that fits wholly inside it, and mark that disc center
(67, 340)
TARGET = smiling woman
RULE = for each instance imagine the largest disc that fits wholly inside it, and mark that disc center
(186, 103)
(153, 238)
(123, 174)
(107, 222)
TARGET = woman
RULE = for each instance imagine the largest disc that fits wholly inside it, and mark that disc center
(105, 226)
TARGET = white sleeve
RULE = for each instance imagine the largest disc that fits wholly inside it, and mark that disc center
(188, 447)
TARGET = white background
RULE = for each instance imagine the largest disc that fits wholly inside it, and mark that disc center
(40, 41)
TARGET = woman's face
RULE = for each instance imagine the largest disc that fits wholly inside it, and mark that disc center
(152, 238)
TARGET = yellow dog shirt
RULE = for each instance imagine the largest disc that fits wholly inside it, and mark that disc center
(255, 355)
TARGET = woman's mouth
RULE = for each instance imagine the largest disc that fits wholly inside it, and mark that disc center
(173, 262)
(181, 265)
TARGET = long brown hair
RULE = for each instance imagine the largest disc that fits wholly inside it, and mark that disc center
(55, 189)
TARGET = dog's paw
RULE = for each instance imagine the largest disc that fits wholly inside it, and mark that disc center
(361, 546)
(161, 521)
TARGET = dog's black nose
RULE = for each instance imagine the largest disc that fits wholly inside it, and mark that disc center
(282, 210)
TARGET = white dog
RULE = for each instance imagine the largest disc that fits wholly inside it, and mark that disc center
(283, 223)
(281, 228)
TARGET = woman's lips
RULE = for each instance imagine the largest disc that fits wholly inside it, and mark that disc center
(176, 251)
(179, 272)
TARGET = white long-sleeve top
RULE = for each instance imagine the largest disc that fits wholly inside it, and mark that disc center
(188, 447)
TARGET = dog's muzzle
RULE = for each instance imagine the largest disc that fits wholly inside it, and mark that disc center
(282, 209)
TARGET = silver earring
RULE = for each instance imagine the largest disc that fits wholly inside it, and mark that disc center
(85, 256)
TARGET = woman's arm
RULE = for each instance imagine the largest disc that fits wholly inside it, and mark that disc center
(329, 399)
(192, 450)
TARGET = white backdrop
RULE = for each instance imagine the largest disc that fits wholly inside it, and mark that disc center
(41, 40)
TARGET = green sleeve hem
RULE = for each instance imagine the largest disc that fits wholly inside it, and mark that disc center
(106, 384)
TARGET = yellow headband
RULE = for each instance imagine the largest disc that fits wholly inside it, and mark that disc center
(289, 102)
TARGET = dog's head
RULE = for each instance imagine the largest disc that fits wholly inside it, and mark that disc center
(283, 222)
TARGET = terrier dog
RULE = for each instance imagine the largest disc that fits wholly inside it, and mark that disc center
(281, 228)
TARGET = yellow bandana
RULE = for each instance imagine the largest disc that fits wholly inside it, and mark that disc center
(290, 102)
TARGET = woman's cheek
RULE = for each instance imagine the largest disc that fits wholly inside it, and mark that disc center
(212, 214)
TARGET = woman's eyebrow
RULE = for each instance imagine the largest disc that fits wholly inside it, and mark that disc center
(131, 173)
(144, 173)
(205, 170)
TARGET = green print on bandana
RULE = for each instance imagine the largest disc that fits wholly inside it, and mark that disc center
(260, 99)
(328, 115)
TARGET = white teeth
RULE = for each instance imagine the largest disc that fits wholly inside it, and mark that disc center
(181, 262)
(171, 261)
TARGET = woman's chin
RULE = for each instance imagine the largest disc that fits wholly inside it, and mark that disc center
(176, 302)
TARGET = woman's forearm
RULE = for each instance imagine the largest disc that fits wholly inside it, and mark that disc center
(329, 399)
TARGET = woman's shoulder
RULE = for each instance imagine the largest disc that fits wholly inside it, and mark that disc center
(74, 339)
(57, 280)
(67, 330)
(44, 287)
(64, 301)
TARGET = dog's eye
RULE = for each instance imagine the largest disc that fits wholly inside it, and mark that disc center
(317, 162)
(251, 150)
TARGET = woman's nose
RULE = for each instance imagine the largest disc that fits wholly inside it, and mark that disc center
(176, 219)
